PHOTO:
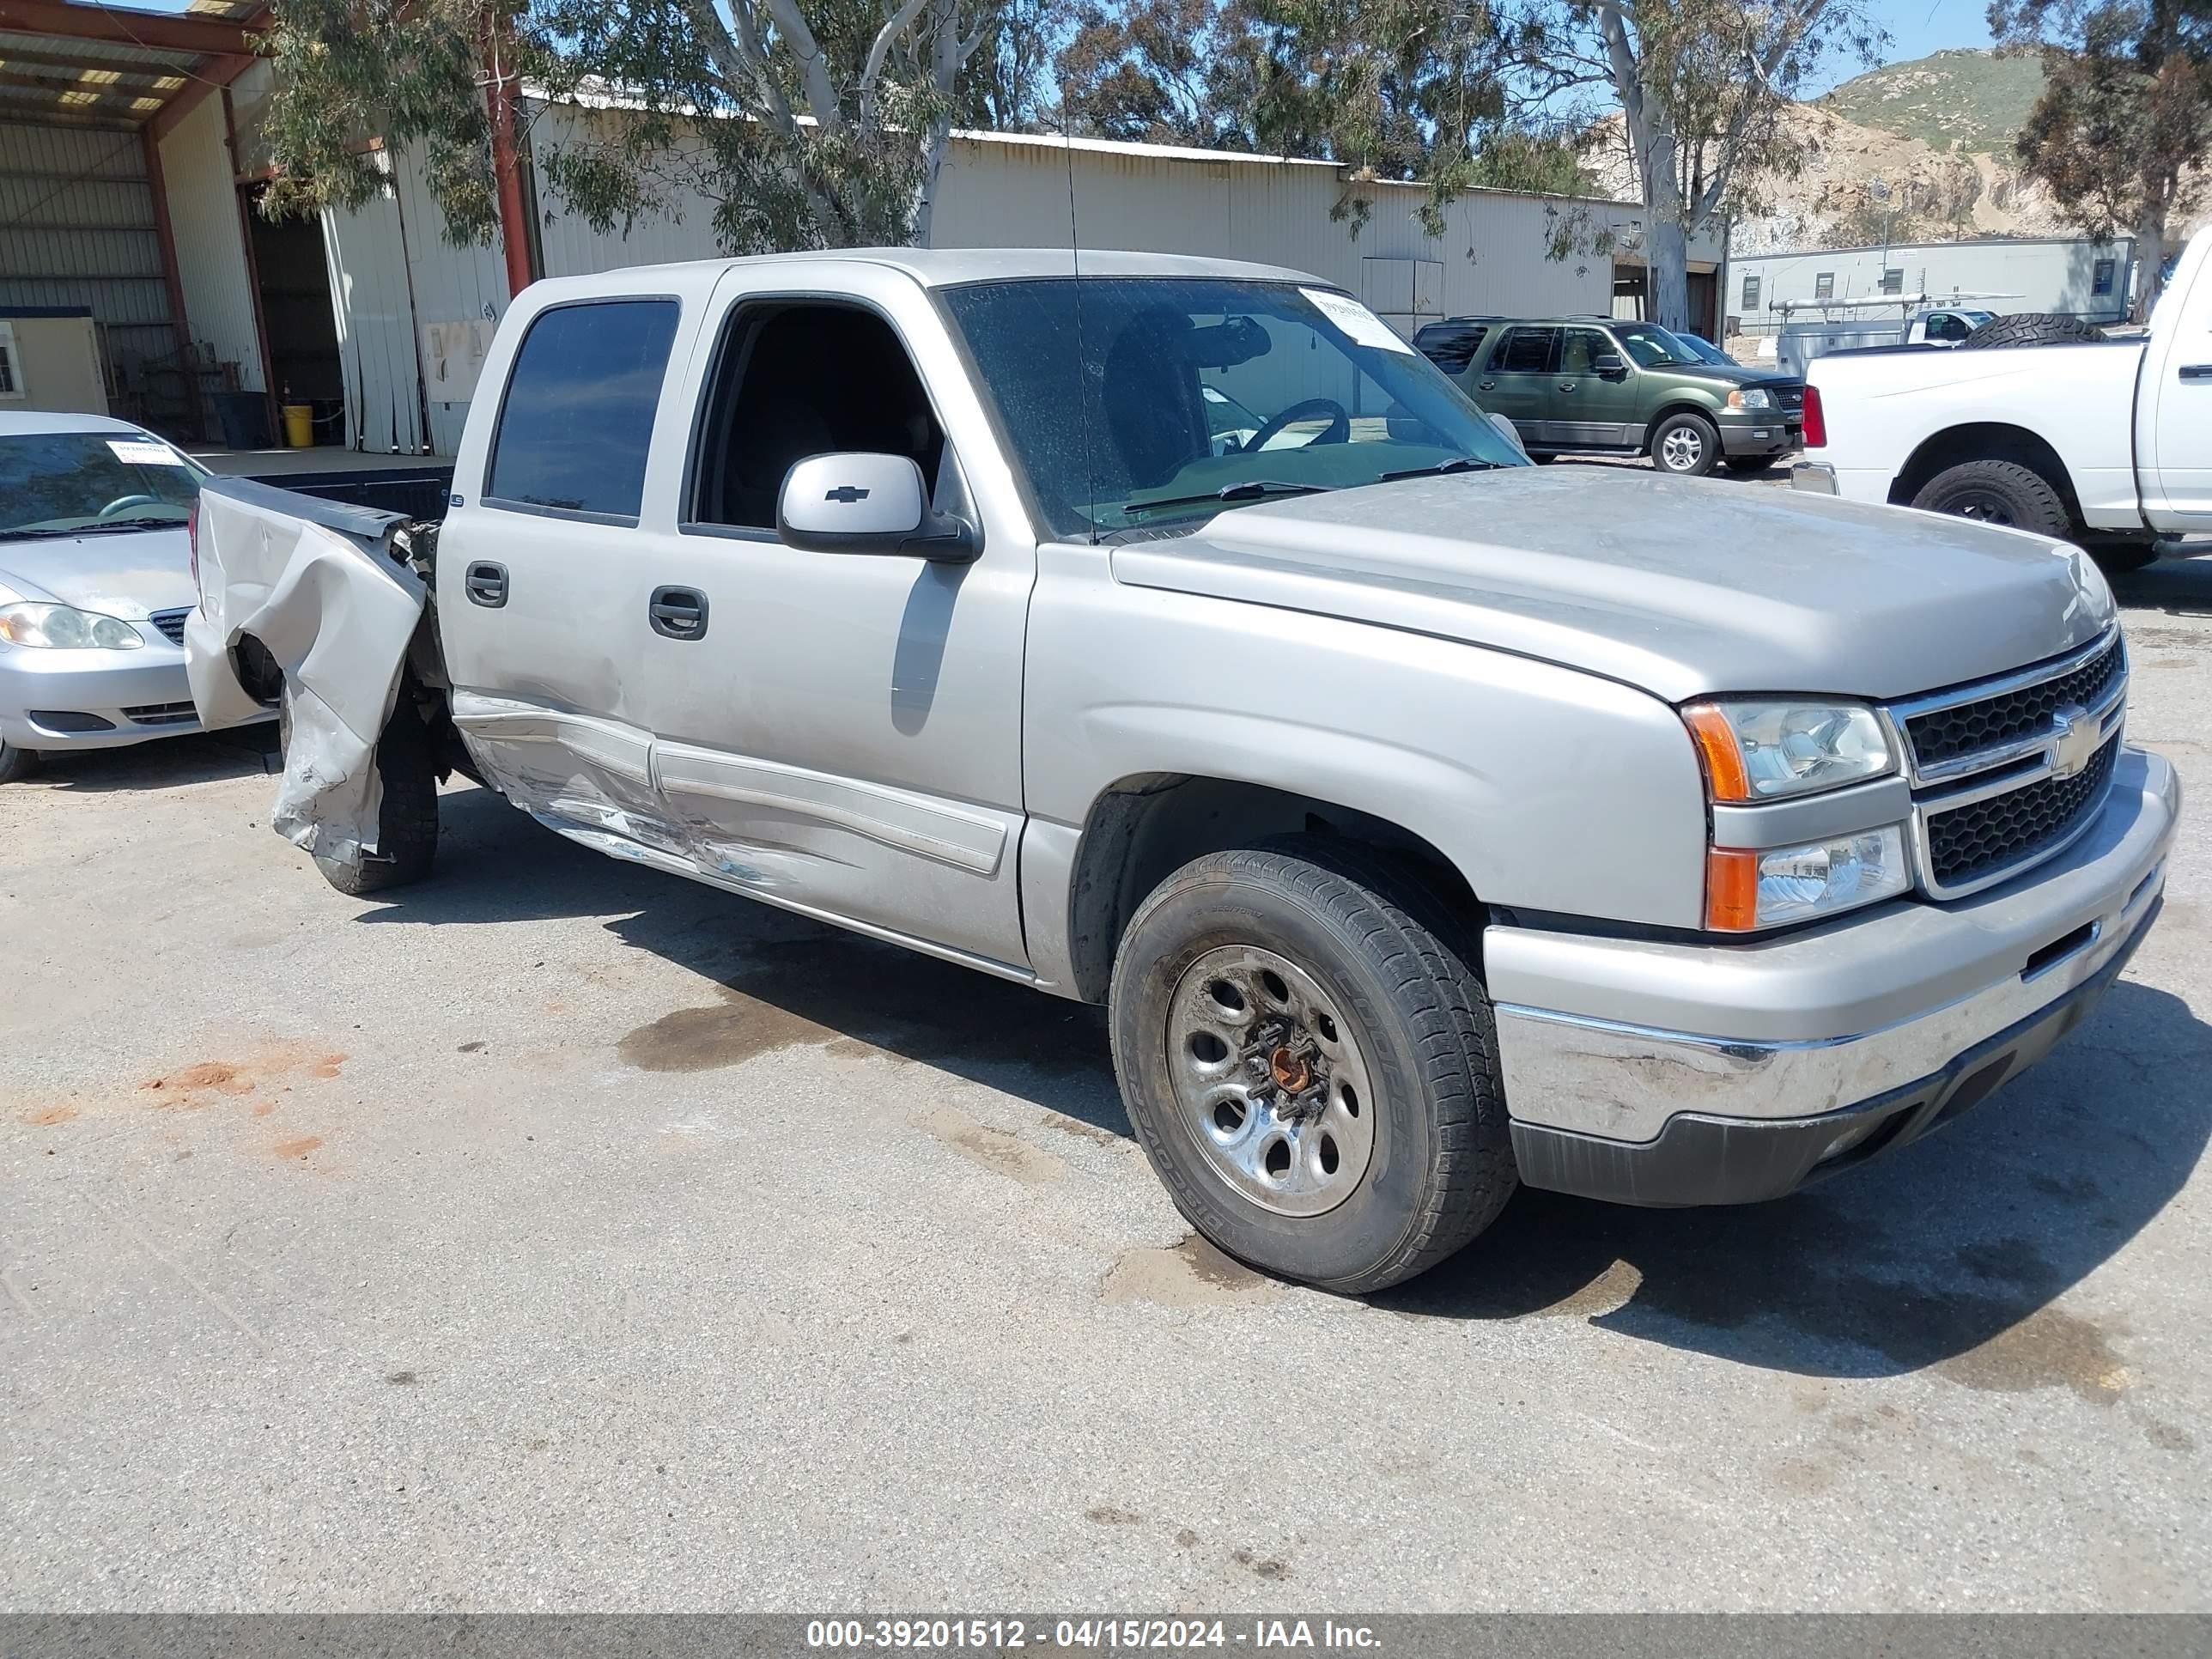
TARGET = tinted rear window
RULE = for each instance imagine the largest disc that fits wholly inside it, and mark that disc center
(1451, 346)
(1524, 350)
(577, 421)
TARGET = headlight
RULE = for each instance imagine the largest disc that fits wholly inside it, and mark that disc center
(1765, 749)
(1745, 890)
(64, 629)
(1750, 398)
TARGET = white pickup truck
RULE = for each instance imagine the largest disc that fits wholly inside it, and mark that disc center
(2107, 443)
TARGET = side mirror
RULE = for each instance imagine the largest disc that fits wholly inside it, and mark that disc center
(1610, 366)
(1505, 424)
(857, 502)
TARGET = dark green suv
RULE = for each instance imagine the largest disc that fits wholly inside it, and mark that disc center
(1592, 383)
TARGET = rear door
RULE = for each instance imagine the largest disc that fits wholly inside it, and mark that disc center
(1516, 381)
(543, 593)
(2174, 423)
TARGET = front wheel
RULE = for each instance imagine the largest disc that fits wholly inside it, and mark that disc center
(1310, 1069)
(15, 761)
(1685, 445)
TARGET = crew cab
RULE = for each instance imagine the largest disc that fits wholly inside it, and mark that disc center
(2105, 442)
(1430, 823)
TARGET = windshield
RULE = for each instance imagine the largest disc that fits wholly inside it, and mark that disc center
(1703, 349)
(1201, 392)
(1653, 347)
(74, 483)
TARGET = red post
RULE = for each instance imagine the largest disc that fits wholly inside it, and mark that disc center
(513, 216)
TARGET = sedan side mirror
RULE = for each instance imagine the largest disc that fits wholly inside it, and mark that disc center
(1610, 366)
(857, 502)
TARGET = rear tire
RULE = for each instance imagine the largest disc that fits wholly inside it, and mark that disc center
(1333, 976)
(2001, 493)
(16, 763)
(1688, 445)
(2033, 328)
(407, 817)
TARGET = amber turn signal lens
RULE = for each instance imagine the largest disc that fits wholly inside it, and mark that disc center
(1723, 756)
(1731, 890)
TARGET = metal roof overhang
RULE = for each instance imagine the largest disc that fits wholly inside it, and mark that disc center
(118, 67)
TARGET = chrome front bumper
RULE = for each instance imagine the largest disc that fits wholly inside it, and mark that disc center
(1610, 1047)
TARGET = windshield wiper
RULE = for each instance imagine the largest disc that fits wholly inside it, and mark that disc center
(1461, 463)
(1251, 490)
(41, 532)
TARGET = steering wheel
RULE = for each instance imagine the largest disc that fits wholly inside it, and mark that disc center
(122, 501)
(1338, 430)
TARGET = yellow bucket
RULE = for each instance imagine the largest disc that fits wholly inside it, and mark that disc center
(300, 425)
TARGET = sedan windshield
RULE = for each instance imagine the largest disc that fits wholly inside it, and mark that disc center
(1198, 394)
(54, 483)
(1653, 347)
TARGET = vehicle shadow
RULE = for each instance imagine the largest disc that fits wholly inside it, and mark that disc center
(1954, 1247)
(2179, 586)
(162, 763)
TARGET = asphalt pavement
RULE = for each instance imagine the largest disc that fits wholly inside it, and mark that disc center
(559, 1236)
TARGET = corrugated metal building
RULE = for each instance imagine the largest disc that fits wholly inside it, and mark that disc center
(2074, 277)
(128, 172)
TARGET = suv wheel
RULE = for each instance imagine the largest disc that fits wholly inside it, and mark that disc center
(1309, 1068)
(16, 762)
(1687, 444)
(1998, 492)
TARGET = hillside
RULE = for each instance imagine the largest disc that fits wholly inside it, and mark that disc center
(1962, 101)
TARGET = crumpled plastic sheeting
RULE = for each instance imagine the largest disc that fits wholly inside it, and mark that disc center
(337, 615)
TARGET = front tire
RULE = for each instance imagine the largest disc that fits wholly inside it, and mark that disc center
(1310, 1069)
(1687, 444)
(16, 762)
(1998, 492)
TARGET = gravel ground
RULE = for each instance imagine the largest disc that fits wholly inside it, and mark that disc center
(559, 1236)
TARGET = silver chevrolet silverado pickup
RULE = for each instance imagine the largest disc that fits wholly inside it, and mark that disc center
(1170, 635)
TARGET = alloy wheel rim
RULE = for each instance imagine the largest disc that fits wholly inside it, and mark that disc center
(1270, 1080)
(1682, 449)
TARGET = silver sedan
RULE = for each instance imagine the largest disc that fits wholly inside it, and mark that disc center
(95, 583)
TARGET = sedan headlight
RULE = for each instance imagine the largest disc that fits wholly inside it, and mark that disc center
(1746, 889)
(1766, 749)
(64, 628)
(1750, 398)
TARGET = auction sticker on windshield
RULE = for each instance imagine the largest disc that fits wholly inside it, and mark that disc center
(133, 452)
(1365, 327)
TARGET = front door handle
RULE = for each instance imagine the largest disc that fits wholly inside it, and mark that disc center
(1566, 386)
(678, 613)
(2197, 371)
(1486, 385)
(485, 583)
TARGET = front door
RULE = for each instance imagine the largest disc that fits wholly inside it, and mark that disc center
(1516, 382)
(1596, 407)
(839, 733)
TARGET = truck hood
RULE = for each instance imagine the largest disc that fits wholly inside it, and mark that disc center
(1681, 586)
(128, 574)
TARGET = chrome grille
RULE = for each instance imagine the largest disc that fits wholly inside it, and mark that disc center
(172, 624)
(2008, 771)
(1991, 835)
(1963, 729)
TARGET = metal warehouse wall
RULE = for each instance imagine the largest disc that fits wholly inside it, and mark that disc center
(2039, 276)
(78, 219)
(999, 191)
(211, 243)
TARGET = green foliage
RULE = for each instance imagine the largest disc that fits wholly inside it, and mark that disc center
(1966, 100)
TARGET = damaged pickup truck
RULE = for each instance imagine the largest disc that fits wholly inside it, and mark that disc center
(1429, 821)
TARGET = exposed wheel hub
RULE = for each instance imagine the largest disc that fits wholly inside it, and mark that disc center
(1271, 1083)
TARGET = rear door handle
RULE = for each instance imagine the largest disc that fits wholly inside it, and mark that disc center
(1486, 385)
(485, 583)
(1566, 386)
(678, 613)
(2197, 371)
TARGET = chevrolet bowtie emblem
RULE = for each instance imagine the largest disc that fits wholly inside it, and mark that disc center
(2075, 741)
